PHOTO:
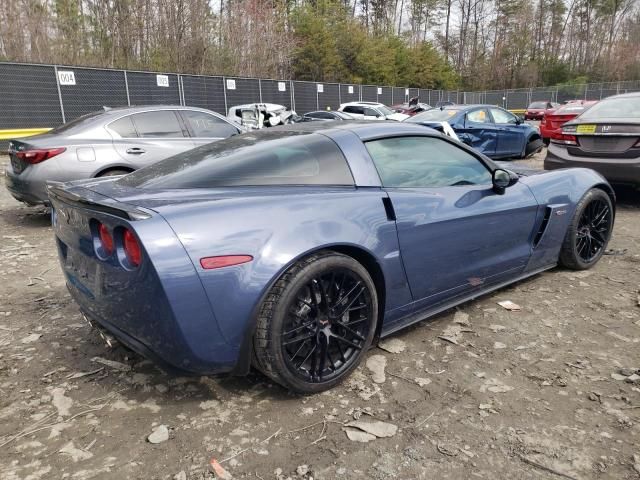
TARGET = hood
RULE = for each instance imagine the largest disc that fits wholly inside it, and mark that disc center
(398, 117)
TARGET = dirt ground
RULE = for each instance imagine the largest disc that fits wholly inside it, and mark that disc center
(545, 392)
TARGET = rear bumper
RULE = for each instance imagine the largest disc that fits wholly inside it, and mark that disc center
(615, 170)
(26, 191)
(177, 358)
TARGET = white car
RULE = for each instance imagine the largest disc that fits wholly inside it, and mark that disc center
(371, 111)
(258, 115)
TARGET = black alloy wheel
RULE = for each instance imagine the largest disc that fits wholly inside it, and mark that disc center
(316, 323)
(589, 231)
(593, 230)
(327, 325)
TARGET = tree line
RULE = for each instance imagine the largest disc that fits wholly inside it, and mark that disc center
(471, 44)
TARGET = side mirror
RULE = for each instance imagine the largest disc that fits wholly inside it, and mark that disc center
(519, 119)
(503, 179)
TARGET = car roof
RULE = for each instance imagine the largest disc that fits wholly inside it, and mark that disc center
(365, 130)
(119, 111)
(624, 95)
(371, 104)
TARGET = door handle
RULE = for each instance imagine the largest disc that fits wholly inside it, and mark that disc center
(135, 151)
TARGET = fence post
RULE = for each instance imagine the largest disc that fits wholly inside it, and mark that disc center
(180, 90)
(293, 96)
(339, 94)
(260, 89)
(126, 87)
(55, 70)
(224, 87)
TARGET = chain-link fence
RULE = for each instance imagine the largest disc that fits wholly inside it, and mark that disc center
(40, 96)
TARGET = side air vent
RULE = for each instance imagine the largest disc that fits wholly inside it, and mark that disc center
(388, 207)
(543, 227)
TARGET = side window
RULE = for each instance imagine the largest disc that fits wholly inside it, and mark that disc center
(204, 125)
(158, 124)
(124, 127)
(500, 116)
(322, 115)
(354, 109)
(371, 112)
(413, 162)
(478, 116)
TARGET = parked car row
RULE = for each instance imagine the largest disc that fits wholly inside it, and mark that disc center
(116, 141)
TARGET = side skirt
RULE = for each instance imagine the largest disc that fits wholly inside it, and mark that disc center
(429, 312)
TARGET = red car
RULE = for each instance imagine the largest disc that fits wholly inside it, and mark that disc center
(537, 110)
(411, 108)
(551, 125)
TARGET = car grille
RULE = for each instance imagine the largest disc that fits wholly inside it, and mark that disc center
(17, 165)
(607, 144)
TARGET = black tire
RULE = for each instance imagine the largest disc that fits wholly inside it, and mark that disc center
(546, 141)
(589, 231)
(114, 172)
(532, 147)
(305, 300)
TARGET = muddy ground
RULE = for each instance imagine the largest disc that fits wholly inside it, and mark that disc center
(539, 393)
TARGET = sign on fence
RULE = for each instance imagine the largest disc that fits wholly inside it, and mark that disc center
(320, 88)
(231, 84)
(282, 86)
(350, 89)
(379, 90)
(66, 77)
(162, 80)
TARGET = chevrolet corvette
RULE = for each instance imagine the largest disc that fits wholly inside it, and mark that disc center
(294, 249)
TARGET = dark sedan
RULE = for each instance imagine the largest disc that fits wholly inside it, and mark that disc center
(605, 138)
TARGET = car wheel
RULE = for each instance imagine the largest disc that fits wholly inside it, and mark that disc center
(546, 141)
(316, 323)
(114, 172)
(533, 146)
(589, 231)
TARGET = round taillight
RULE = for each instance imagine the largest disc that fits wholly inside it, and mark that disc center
(131, 248)
(106, 239)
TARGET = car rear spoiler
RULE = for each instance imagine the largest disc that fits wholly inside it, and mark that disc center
(83, 197)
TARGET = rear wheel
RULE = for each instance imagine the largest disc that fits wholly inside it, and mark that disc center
(589, 231)
(316, 323)
(114, 172)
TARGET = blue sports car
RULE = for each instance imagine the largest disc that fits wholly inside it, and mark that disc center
(294, 249)
(491, 130)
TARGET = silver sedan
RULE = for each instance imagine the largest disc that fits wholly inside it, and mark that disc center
(110, 142)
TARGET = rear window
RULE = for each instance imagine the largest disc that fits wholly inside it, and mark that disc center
(622, 107)
(78, 123)
(435, 115)
(538, 105)
(251, 159)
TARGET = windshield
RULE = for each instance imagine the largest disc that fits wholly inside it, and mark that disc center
(386, 110)
(435, 115)
(77, 123)
(621, 107)
(251, 159)
(542, 105)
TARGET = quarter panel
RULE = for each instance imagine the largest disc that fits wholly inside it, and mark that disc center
(283, 228)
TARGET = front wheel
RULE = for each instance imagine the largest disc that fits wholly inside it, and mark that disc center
(533, 146)
(589, 231)
(316, 323)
